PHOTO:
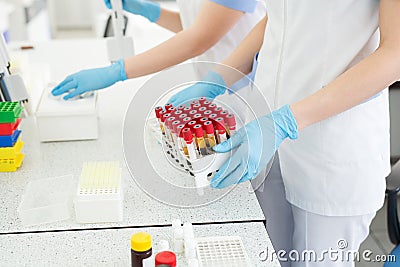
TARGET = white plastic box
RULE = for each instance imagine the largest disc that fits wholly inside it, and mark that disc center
(46, 201)
(60, 120)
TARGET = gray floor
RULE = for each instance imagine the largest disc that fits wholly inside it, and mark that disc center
(378, 240)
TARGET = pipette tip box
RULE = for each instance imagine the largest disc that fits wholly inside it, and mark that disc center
(99, 196)
(9, 112)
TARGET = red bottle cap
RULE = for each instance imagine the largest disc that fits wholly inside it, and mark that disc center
(171, 109)
(191, 124)
(187, 110)
(175, 125)
(165, 116)
(169, 122)
(158, 110)
(212, 116)
(202, 100)
(203, 120)
(194, 102)
(187, 135)
(224, 114)
(212, 106)
(196, 106)
(192, 112)
(220, 124)
(209, 127)
(177, 113)
(165, 257)
(197, 117)
(207, 103)
(231, 120)
(168, 105)
(186, 119)
(182, 116)
(181, 107)
(202, 110)
(207, 113)
(179, 130)
(198, 131)
(218, 110)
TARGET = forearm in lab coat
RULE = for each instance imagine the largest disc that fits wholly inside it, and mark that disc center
(362, 81)
(210, 25)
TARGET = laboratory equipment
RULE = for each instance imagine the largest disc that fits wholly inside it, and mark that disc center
(165, 257)
(189, 142)
(99, 196)
(119, 46)
(221, 251)
(46, 200)
(10, 141)
(67, 120)
(12, 87)
(141, 250)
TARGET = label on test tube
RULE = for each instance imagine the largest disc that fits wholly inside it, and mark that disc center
(231, 121)
(198, 131)
(188, 137)
(210, 135)
(220, 129)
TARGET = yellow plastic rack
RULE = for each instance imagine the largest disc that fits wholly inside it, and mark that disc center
(11, 152)
(12, 164)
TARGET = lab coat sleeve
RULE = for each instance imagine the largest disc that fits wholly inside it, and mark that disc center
(247, 6)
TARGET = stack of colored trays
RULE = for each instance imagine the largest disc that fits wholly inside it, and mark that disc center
(10, 142)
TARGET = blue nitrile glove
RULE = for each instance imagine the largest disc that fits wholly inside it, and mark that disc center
(258, 142)
(90, 80)
(212, 86)
(148, 9)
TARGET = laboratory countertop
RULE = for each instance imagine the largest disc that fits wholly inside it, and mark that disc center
(112, 247)
(45, 160)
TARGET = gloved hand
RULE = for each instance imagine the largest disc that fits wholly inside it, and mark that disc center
(91, 79)
(148, 9)
(212, 86)
(258, 142)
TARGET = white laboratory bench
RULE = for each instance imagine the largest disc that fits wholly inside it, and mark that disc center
(69, 243)
(112, 247)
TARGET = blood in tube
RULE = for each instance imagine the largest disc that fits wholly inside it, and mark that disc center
(188, 137)
(201, 143)
(210, 136)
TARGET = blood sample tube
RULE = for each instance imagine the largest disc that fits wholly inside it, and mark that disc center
(188, 138)
(168, 123)
(168, 105)
(196, 106)
(171, 110)
(207, 113)
(186, 110)
(223, 114)
(182, 116)
(194, 102)
(220, 130)
(231, 121)
(186, 120)
(182, 144)
(192, 113)
(164, 117)
(202, 110)
(218, 110)
(212, 106)
(207, 103)
(181, 107)
(198, 131)
(177, 113)
(197, 117)
(202, 121)
(202, 100)
(210, 136)
(175, 135)
(191, 124)
(212, 116)
(159, 111)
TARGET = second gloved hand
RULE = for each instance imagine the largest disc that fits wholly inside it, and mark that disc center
(144, 8)
(212, 86)
(257, 142)
(90, 80)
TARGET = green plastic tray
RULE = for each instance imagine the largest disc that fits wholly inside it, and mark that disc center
(9, 112)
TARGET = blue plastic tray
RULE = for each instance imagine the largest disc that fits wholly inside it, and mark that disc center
(9, 140)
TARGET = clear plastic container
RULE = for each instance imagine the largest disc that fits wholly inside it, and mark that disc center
(46, 200)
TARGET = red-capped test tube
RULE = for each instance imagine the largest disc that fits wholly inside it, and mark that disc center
(164, 117)
(182, 143)
(231, 121)
(197, 117)
(202, 100)
(207, 113)
(202, 110)
(207, 103)
(220, 130)
(174, 133)
(190, 147)
(210, 135)
(169, 132)
(201, 143)
(186, 110)
(194, 102)
(167, 106)
(158, 111)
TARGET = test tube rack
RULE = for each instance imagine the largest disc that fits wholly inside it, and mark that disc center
(10, 142)
(99, 196)
(221, 251)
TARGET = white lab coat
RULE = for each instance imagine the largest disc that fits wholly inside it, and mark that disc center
(337, 166)
(221, 50)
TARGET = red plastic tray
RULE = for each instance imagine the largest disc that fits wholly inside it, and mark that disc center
(9, 128)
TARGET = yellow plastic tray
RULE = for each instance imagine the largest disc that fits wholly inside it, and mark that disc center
(11, 152)
(11, 165)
